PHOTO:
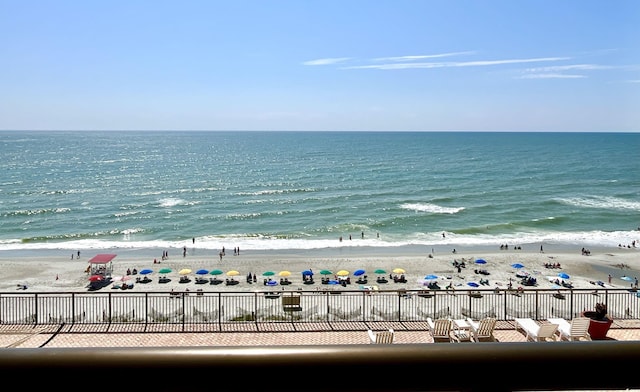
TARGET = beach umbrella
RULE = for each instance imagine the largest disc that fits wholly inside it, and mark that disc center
(359, 272)
(307, 273)
(342, 273)
(96, 278)
(284, 273)
(380, 271)
(398, 271)
(185, 271)
(202, 272)
(268, 273)
(564, 275)
(233, 273)
(481, 261)
(216, 272)
(431, 277)
(473, 284)
(517, 265)
(165, 271)
(326, 272)
(146, 271)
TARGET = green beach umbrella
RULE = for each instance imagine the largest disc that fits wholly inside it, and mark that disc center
(165, 271)
(326, 272)
(380, 271)
(216, 272)
(268, 273)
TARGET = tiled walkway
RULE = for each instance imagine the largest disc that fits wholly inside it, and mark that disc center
(92, 336)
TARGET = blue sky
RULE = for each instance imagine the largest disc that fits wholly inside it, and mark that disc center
(568, 65)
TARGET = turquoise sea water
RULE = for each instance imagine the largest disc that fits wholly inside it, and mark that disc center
(304, 190)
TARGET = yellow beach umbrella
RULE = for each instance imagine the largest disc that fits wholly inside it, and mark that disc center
(342, 273)
(233, 273)
(398, 271)
(185, 271)
(284, 273)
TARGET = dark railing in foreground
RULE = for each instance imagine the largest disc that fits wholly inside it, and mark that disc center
(211, 310)
(596, 365)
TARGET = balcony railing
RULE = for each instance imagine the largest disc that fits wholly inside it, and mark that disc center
(213, 310)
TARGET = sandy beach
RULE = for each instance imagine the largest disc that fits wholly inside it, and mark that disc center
(49, 271)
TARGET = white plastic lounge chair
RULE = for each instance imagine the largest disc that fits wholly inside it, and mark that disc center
(577, 329)
(535, 332)
(382, 337)
(482, 331)
(440, 330)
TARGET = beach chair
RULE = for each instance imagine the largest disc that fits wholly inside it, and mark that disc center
(440, 330)
(536, 332)
(577, 329)
(482, 331)
(382, 337)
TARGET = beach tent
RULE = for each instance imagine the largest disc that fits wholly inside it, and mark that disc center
(102, 264)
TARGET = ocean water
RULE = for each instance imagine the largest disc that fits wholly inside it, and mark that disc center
(305, 190)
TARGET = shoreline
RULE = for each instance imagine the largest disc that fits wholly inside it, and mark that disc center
(47, 271)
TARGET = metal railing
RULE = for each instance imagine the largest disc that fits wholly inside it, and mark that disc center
(211, 310)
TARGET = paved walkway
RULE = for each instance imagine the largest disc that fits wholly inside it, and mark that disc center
(95, 336)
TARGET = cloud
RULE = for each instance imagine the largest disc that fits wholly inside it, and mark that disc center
(481, 63)
(557, 71)
(422, 57)
(327, 61)
(562, 68)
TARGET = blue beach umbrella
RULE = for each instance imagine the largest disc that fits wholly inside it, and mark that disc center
(307, 273)
(202, 272)
(481, 261)
(473, 284)
(517, 265)
(430, 277)
(563, 275)
(359, 272)
(146, 271)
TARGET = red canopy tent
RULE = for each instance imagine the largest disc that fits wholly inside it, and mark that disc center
(100, 264)
(102, 258)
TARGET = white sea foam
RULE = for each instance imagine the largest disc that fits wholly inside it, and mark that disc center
(604, 202)
(266, 242)
(432, 208)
